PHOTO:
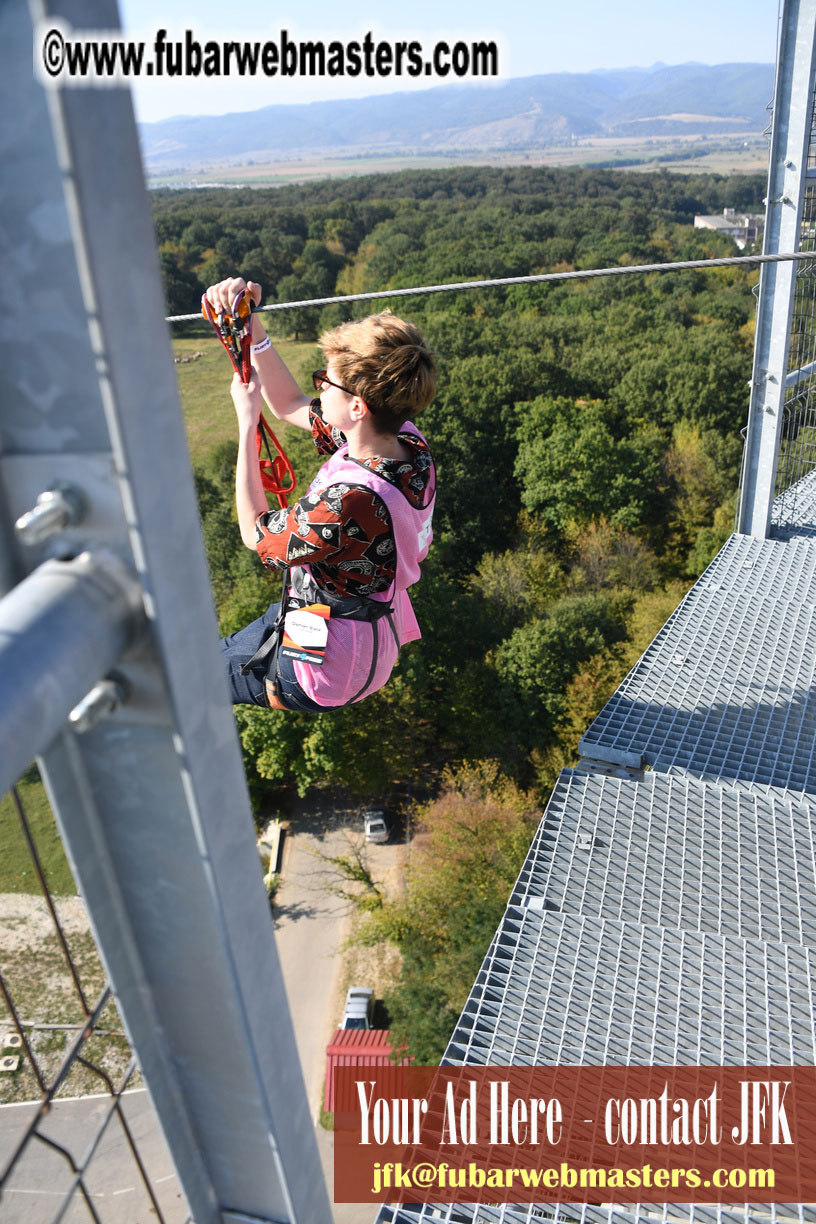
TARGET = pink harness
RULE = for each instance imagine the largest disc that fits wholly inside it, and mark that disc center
(349, 651)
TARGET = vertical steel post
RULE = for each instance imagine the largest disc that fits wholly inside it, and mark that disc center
(151, 801)
(787, 176)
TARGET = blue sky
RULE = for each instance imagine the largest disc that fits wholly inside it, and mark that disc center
(535, 36)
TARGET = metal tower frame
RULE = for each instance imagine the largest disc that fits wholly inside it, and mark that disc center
(789, 178)
(107, 593)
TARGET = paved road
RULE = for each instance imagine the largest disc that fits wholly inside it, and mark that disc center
(310, 926)
(40, 1181)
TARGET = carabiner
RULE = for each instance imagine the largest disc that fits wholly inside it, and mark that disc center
(234, 330)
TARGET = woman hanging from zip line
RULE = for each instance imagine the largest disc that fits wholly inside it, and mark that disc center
(351, 547)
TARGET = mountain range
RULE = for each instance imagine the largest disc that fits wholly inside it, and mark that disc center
(522, 113)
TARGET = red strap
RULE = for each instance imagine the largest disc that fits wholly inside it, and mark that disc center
(277, 474)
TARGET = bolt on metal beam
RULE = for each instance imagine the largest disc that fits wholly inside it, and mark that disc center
(57, 508)
(61, 629)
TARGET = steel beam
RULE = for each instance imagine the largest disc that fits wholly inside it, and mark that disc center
(787, 179)
(152, 801)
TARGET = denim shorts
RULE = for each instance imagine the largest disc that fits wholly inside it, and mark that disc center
(250, 689)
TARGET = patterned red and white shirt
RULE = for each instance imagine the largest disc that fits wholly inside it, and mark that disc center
(344, 533)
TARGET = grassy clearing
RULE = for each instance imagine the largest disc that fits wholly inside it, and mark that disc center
(16, 868)
(34, 967)
(40, 984)
(204, 384)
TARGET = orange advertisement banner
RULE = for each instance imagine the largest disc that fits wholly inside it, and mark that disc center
(575, 1134)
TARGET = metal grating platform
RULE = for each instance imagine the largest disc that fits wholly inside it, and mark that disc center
(563, 989)
(665, 919)
(675, 852)
(726, 689)
(560, 989)
(653, 1213)
(794, 510)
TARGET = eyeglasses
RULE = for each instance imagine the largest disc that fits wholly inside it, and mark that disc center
(320, 381)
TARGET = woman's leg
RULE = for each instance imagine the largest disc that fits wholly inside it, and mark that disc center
(291, 694)
(238, 648)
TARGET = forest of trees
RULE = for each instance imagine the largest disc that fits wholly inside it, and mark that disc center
(587, 438)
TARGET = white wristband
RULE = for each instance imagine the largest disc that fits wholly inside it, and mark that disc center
(261, 346)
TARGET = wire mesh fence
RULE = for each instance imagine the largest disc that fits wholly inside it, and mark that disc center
(797, 456)
(78, 1137)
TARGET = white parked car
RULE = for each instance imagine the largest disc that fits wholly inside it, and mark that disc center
(376, 824)
(359, 1004)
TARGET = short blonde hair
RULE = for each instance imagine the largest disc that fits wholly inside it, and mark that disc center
(385, 361)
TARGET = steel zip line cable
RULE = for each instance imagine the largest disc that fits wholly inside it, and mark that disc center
(580, 274)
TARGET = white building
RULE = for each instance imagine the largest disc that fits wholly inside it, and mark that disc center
(742, 227)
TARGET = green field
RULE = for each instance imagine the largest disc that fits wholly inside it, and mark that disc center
(726, 153)
(17, 873)
(204, 384)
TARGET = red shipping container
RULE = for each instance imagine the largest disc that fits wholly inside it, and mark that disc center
(356, 1048)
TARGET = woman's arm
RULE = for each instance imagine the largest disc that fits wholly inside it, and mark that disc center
(250, 499)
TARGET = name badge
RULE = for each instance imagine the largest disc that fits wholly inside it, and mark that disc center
(425, 533)
(305, 633)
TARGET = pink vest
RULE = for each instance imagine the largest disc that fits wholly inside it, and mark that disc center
(349, 648)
